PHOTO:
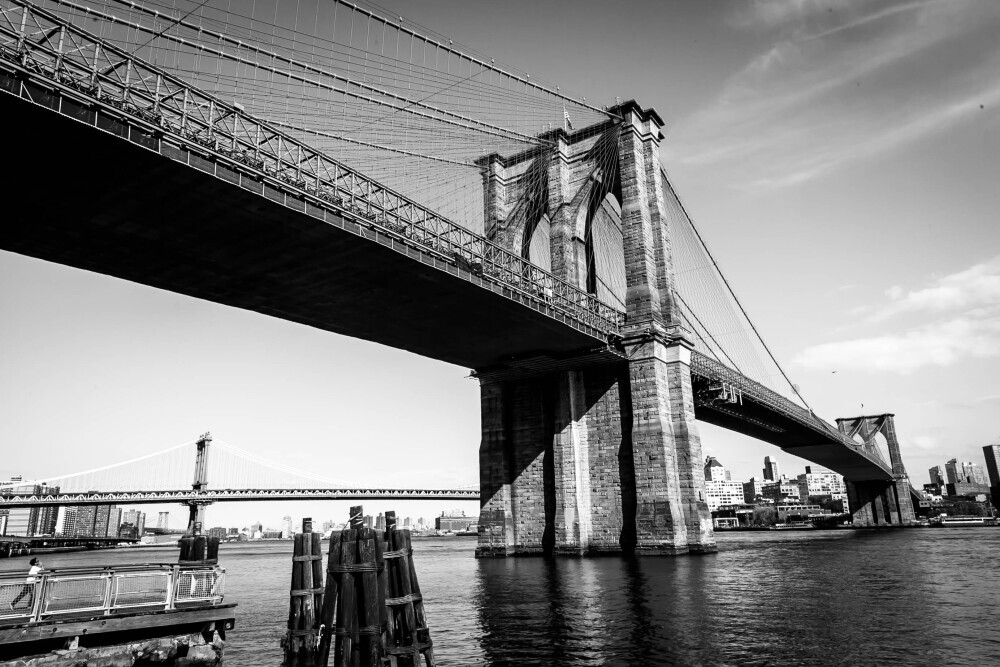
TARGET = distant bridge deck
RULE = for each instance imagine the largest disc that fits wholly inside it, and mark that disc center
(231, 495)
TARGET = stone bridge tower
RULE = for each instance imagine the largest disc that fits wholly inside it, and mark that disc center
(599, 453)
(879, 503)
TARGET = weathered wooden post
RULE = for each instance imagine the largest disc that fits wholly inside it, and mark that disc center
(372, 592)
(306, 592)
(410, 639)
(347, 637)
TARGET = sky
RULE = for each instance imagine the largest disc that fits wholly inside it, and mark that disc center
(840, 158)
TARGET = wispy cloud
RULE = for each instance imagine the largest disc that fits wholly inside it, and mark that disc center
(937, 344)
(844, 81)
(974, 287)
(966, 325)
(924, 442)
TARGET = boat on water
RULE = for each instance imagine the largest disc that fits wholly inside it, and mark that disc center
(959, 521)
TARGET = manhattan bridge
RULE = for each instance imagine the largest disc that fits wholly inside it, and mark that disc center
(334, 167)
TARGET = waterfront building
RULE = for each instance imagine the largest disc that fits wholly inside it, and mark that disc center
(937, 476)
(723, 493)
(772, 472)
(455, 521)
(286, 527)
(753, 490)
(798, 511)
(720, 490)
(782, 490)
(818, 482)
(406, 522)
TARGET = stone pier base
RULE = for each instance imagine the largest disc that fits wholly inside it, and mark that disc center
(599, 460)
(174, 651)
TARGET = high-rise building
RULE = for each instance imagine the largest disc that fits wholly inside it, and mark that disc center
(30, 521)
(286, 527)
(937, 476)
(114, 521)
(136, 519)
(992, 455)
(965, 472)
(93, 521)
(69, 520)
(380, 522)
(771, 470)
(952, 473)
(406, 522)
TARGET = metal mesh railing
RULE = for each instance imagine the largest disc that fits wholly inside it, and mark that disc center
(152, 101)
(105, 591)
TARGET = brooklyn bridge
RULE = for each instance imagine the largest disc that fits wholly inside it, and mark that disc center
(407, 193)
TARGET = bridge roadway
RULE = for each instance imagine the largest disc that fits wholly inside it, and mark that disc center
(99, 184)
(229, 495)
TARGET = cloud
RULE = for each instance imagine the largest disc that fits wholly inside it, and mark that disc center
(939, 344)
(842, 82)
(924, 442)
(966, 308)
(975, 287)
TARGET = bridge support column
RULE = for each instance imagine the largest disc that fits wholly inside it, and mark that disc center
(875, 503)
(552, 464)
(893, 504)
(671, 513)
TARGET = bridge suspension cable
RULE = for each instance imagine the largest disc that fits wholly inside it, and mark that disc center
(711, 310)
(411, 110)
(159, 470)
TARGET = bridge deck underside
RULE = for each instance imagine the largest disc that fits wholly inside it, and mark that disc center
(761, 422)
(82, 197)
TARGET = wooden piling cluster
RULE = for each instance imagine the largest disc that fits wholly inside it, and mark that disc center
(370, 612)
(306, 598)
(407, 637)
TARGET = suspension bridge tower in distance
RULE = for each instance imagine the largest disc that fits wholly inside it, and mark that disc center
(601, 454)
(196, 507)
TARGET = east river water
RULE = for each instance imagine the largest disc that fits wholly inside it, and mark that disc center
(909, 597)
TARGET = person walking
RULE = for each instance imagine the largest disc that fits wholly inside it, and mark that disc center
(29, 584)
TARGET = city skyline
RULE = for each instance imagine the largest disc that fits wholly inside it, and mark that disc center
(850, 202)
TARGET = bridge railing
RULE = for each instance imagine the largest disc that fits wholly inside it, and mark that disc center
(74, 592)
(95, 73)
(709, 368)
